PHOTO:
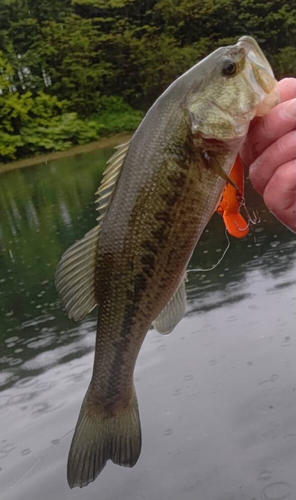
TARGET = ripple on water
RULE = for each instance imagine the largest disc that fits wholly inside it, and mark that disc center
(289, 438)
(41, 342)
(48, 341)
(55, 441)
(276, 491)
(26, 382)
(6, 377)
(44, 408)
(5, 449)
(25, 452)
(11, 340)
(264, 475)
(45, 386)
(17, 399)
(269, 384)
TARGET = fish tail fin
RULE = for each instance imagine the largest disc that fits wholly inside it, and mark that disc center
(100, 437)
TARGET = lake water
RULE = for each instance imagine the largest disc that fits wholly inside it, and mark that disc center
(217, 397)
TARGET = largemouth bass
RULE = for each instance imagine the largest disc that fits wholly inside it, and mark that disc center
(157, 195)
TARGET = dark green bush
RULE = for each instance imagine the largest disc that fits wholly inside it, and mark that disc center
(72, 70)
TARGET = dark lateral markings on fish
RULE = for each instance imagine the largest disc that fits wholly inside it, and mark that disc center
(157, 195)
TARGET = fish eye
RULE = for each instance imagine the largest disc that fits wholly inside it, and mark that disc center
(228, 67)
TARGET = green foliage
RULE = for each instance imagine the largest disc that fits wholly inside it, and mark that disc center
(117, 116)
(285, 62)
(71, 70)
(41, 124)
(30, 124)
(58, 134)
(9, 144)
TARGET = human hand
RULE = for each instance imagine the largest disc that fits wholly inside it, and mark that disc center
(270, 151)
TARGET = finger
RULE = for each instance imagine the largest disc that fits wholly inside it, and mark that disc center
(280, 194)
(281, 151)
(278, 122)
(287, 89)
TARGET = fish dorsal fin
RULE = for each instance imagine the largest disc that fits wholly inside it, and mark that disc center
(173, 311)
(110, 178)
(75, 276)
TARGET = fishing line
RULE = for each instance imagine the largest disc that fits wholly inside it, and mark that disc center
(217, 263)
(35, 465)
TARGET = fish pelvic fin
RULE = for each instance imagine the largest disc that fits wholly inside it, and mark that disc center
(101, 436)
(173, 312)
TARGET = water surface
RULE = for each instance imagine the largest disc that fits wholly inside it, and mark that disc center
(217, 397)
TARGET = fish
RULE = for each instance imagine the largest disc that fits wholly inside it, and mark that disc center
(157, 195)
(232, 200)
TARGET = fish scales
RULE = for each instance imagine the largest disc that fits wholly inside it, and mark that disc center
(136, 282)
(174, 204)
(158, 194)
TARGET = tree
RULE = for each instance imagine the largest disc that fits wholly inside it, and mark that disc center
(92, 63)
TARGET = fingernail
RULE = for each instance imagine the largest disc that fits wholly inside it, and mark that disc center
(289, 109)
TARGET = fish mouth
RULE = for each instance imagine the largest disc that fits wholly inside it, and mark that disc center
(255, 53)
(260, 76)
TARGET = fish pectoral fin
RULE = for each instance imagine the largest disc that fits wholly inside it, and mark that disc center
(173, 312)
(219, 171)
(75, 276)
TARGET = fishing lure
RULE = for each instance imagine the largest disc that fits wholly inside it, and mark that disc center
(231, 202)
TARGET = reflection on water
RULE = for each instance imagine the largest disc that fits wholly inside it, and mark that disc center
(221, 385)
(43, 210)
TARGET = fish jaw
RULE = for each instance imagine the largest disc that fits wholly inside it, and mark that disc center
(270, 101)
(260, 76)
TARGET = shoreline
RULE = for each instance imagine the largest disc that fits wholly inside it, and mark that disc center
(106, 142)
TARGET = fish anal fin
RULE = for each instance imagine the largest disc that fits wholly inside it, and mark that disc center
(75, 276)
(173, 312)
